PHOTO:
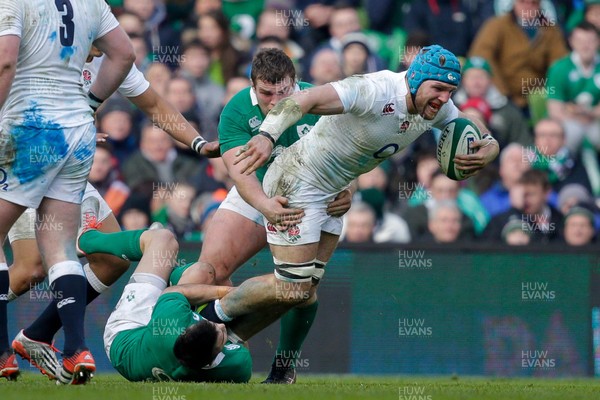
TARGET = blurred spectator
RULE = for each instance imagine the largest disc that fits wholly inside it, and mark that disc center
(441, 189)
(175, 215)
(226, 61)
(325, 67)
(414, 43)
(160, 37)
(135, 213)
(573, 92)
(520, 46)
(156, 160)
(575, 194)
(514, 234)
(553, 157)
(447, 22)
(357, 57)
(513, 163)
(180, 93)
(359, 223)
(543, 221)
(104, 177)
(479, 109)
(115, 118)
(210, 175)
(277, 23)
(234, 85)
(507, 122)
(579, 226)
(590, 13)
(444, 223)
(159, 76)
(209, 95)
(141, 52)
(385, 15)
(131, 24)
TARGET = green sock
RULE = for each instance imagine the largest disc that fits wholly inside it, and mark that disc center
(295, 325)
(124, 245)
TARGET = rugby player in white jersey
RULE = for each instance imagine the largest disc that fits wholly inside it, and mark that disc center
(102, 270)
(48, 139)
(369, 118)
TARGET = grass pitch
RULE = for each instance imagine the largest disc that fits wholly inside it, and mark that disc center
(309, 387)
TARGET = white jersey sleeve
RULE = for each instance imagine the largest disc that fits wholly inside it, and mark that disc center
(357, 93)
(107, 23)
(11, 18)
(134, 84)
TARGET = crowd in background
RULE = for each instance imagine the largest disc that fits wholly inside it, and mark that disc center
(531, 72)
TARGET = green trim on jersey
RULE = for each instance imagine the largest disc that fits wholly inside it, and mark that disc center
(146, 353)
(566, 83)
(241, 120)
(177, 272)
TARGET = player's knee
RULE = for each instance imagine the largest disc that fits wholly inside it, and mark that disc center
(201, 272)
(166, 238)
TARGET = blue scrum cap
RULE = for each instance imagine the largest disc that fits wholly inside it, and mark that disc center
(433, 63)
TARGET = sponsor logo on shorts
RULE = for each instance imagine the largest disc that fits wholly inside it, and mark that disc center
(87, 78)
(388, 109)
(293, 233)
(404, 126)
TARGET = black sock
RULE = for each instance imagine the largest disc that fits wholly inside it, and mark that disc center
(4, 285)
(70, 293)
(210, 314)
(48, 323)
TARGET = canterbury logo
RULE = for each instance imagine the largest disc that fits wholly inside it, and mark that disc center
(3, 297)
(388, 109)
(64, 302)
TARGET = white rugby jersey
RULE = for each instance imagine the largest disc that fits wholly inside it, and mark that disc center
(375, 125)
(56, 37)
(134, 84)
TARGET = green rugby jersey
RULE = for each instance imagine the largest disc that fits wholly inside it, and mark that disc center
(567, 82)
(146, 353)
(241, 119)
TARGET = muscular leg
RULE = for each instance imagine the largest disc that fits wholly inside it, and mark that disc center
(56, 242)
(230, 241)
(27, 268)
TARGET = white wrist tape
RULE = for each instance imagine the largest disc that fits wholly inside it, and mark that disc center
(285, 113)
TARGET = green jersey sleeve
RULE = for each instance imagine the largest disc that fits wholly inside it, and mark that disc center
(558, 81)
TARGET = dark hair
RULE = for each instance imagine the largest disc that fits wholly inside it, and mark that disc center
(194, 348)
(229, 56)
(195, 44)
(535, 177)
(272, 66)
(106, 146)
(271, 38)
(586, 26)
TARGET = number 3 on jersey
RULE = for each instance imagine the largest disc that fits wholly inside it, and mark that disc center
(67, 29)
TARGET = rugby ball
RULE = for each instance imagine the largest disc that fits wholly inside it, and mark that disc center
(455, 140)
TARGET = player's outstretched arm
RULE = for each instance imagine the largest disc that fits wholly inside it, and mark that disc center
(320, 100)
(9, 53)
(198, 294)
(487, 150)
(119, 57)
(164, 115)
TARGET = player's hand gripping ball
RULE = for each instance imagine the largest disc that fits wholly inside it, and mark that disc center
(456, 138)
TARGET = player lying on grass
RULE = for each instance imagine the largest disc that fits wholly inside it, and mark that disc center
(102, 270)
(369, 118)
(154, 334)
